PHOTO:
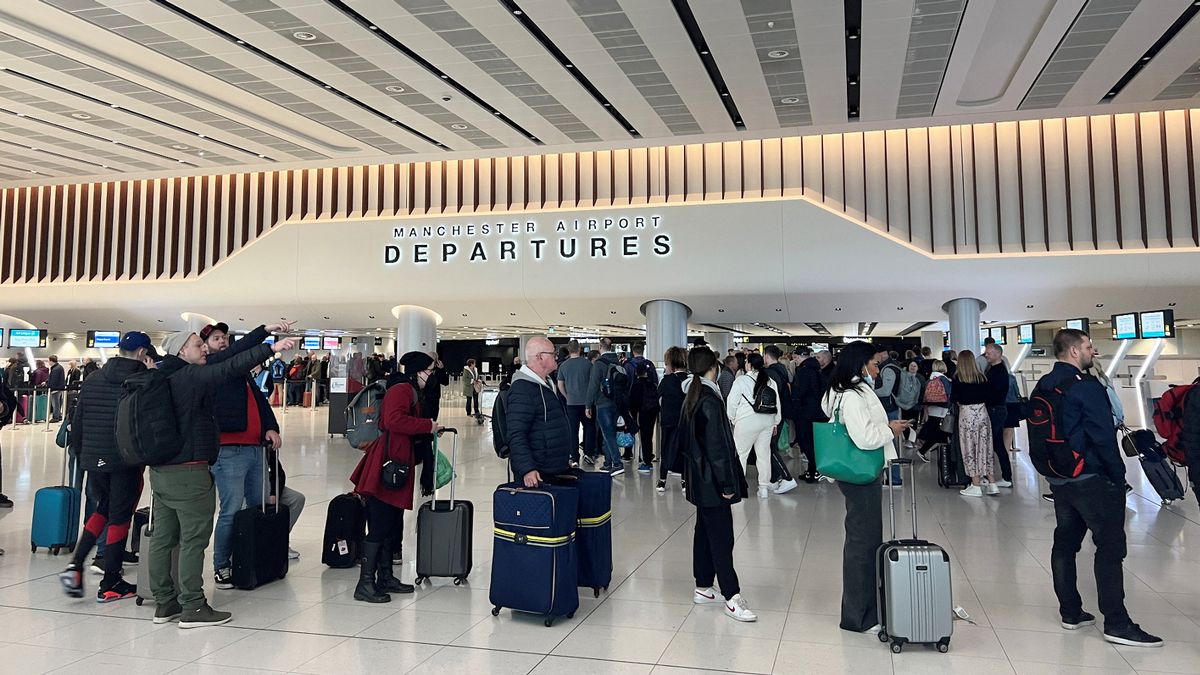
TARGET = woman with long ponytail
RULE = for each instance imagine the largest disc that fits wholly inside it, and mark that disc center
(753, 428)
(715, 482)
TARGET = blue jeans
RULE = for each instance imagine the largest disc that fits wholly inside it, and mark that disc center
(606, 419)
(238, 475)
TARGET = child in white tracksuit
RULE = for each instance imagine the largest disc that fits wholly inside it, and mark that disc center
(753, 430)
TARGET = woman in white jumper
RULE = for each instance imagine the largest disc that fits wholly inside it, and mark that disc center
(754, 430)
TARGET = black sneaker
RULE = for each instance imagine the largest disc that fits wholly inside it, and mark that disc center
(97, 566)
(118, 591)
(168, 612)
(809, 477)
(203, 616)
(1084, 620)
(1131, 636)
(224, 578)
(72, 580)
(589, 460)
(5, 502)
(1048, 497)
(616, 471)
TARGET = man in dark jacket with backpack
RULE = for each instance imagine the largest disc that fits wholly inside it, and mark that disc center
(605, 407)
(1093, 498)
(539, 431)
(184, 498)
(114, 485)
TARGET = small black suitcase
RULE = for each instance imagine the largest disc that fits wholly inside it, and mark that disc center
(444, 532)
(950, 465)
(260, 541)
(345, 529)
(1162, 476)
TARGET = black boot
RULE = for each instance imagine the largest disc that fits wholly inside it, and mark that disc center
(366, 590)
(385, 579)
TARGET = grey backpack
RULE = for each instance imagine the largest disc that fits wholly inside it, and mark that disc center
(362, 415)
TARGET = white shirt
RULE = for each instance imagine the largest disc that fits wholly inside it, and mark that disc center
(865, 419)
(740, 404)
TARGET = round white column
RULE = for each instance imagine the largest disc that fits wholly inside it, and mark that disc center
(933, 340)
(666, 327)
(416, 329)
(720, 341)
(964, 323)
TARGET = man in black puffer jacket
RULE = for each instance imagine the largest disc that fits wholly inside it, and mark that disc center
(540, 438)
(113, 485)
(184, 498)
(807, 389)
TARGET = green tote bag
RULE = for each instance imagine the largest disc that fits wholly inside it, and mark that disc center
(837, 455)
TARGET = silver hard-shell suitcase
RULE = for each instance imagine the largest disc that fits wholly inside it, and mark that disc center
(143, 564)
(915, 599)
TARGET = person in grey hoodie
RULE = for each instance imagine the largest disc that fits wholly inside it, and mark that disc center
(603, 408)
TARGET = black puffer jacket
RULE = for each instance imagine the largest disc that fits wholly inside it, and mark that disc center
(807, 390)
(783, 382)
(93, 438)
(1189, 437)
(192, 390)
(705, 438)
(229, 399)
(539, 436)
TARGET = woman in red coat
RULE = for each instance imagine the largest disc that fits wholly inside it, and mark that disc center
(399, 421)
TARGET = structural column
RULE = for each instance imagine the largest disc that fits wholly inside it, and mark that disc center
(720, 341)
(666, 327)
(416, 329)
(964, 323)
(933, 340)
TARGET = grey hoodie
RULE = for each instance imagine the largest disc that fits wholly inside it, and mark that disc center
(599, 371)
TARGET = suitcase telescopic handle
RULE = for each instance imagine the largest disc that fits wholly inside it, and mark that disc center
(453, 459)
(266, 475)
(912, 488)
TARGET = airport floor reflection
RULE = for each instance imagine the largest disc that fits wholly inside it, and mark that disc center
(788, 557)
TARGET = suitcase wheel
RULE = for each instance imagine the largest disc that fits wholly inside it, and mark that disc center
(54, 550)
(896, 647)
(139, 601)
(548, 622)
(571, 615)
(418, 581)
(883, 636)
(458, 580)
(495, 611)
(595, 592)
(33, 548)
(943, 646)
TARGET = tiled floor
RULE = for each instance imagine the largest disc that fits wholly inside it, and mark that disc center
(788, 557)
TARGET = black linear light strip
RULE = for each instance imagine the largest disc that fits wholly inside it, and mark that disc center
(1153, 51)
(184, 14)
(432, 69)
(130, 111)
(61, 127)
(688, 19)
(852, 11)
(915, 327)
(548, 44)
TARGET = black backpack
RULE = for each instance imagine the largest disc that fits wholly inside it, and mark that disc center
(616, 386)
(766, 401)
(147, 428)
(1048, 448)
(500, 424)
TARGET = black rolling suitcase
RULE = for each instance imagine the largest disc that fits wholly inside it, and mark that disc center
(345, 529)
(444, 531)
(1159, 471)
(950, 465)
(260, 540)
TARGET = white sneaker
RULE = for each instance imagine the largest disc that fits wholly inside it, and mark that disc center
(990, 489)
(763, 493)
(971, 491)
(293, 554)
(737, 609)
(1004, 483)
(873, 630)
(785, 486)
(705, 596)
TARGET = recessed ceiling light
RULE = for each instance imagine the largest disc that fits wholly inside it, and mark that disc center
(372, 316)
(517, 12)
(1170, 304)
(853, 113)
(180, 146)
(262, 156)
(900, 309)
(445, 77)
(201, 136)
(304, 35)
(103, 166)
(853, 82)
(721, 311)
(328, 87)
(789, 99)
(464, 314)
(612, 312)
(459, 126)
(373, 27)
(1028, 306)
(395, 89)
(1099, 304)
(113, 105)
(852, 35)
(81, 116)
(837, 309)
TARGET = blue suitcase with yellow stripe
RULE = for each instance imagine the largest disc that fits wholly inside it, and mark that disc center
(593, 533)
(534, 568)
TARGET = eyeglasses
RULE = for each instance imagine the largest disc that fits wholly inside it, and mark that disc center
(541, 354)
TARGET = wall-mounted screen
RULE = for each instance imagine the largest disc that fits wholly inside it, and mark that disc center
(1160, 324)
(1124, 326)
(1000, 335)
(984, 334)
(103, 339)
(1078, 324)
(312, 343)
(331, 343)
(26, 337)
(378, 342)
(1, 337)
(1025, 334)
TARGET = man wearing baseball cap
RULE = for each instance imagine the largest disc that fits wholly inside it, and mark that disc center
(114, 485)
(184, 498)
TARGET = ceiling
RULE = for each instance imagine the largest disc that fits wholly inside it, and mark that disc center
(93, 88)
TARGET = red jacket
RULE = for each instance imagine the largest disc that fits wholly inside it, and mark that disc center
(399, 421)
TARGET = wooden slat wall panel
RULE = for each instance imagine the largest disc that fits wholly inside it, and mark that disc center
(1104, 182)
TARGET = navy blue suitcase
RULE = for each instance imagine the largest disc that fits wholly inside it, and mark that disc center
(593, 533)
(533, 550)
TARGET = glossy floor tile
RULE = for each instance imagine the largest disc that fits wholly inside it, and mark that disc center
(788, 557)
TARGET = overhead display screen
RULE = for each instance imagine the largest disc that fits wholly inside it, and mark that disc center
(1078, 324)
(103, 339)
(312, 343)
(1160, 324)
(26, 337)
(1000, 335)
(1, 337)
(1025, 334)
(331, 343)
(1124, 326)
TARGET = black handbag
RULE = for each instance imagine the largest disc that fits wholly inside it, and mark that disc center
(394, 475)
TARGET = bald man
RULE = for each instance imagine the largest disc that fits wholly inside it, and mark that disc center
(540, 439)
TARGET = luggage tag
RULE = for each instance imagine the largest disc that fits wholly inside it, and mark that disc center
(343, 547)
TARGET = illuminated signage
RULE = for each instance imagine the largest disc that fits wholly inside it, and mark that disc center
(1000, 335)
(1078, 324)
(616, 237)
(1160, 324)
(26, 337)
(103, 339)
(1124, 326)
(312, 343)
(331, 343)
(1025, 334)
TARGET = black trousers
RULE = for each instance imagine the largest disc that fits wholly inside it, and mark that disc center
(473, 399)
(804, 438)
(670, 459)
(646, 422)
(1091, 504)
(712, 549)
(779, 470)
(931, 434)
(999, 415)
(864, 534)
(116, 494)
(577, 419)
(384, 522)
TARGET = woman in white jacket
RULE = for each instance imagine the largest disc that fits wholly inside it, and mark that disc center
(753, 430)
(852, 395)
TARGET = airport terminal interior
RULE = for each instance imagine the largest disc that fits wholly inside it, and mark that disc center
(371, 179)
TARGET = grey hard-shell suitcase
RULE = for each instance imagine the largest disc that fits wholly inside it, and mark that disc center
(444, 532)
(915, 599)
(143, 564)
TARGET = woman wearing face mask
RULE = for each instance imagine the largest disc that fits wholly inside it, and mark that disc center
(851, 394)
(400, 420)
